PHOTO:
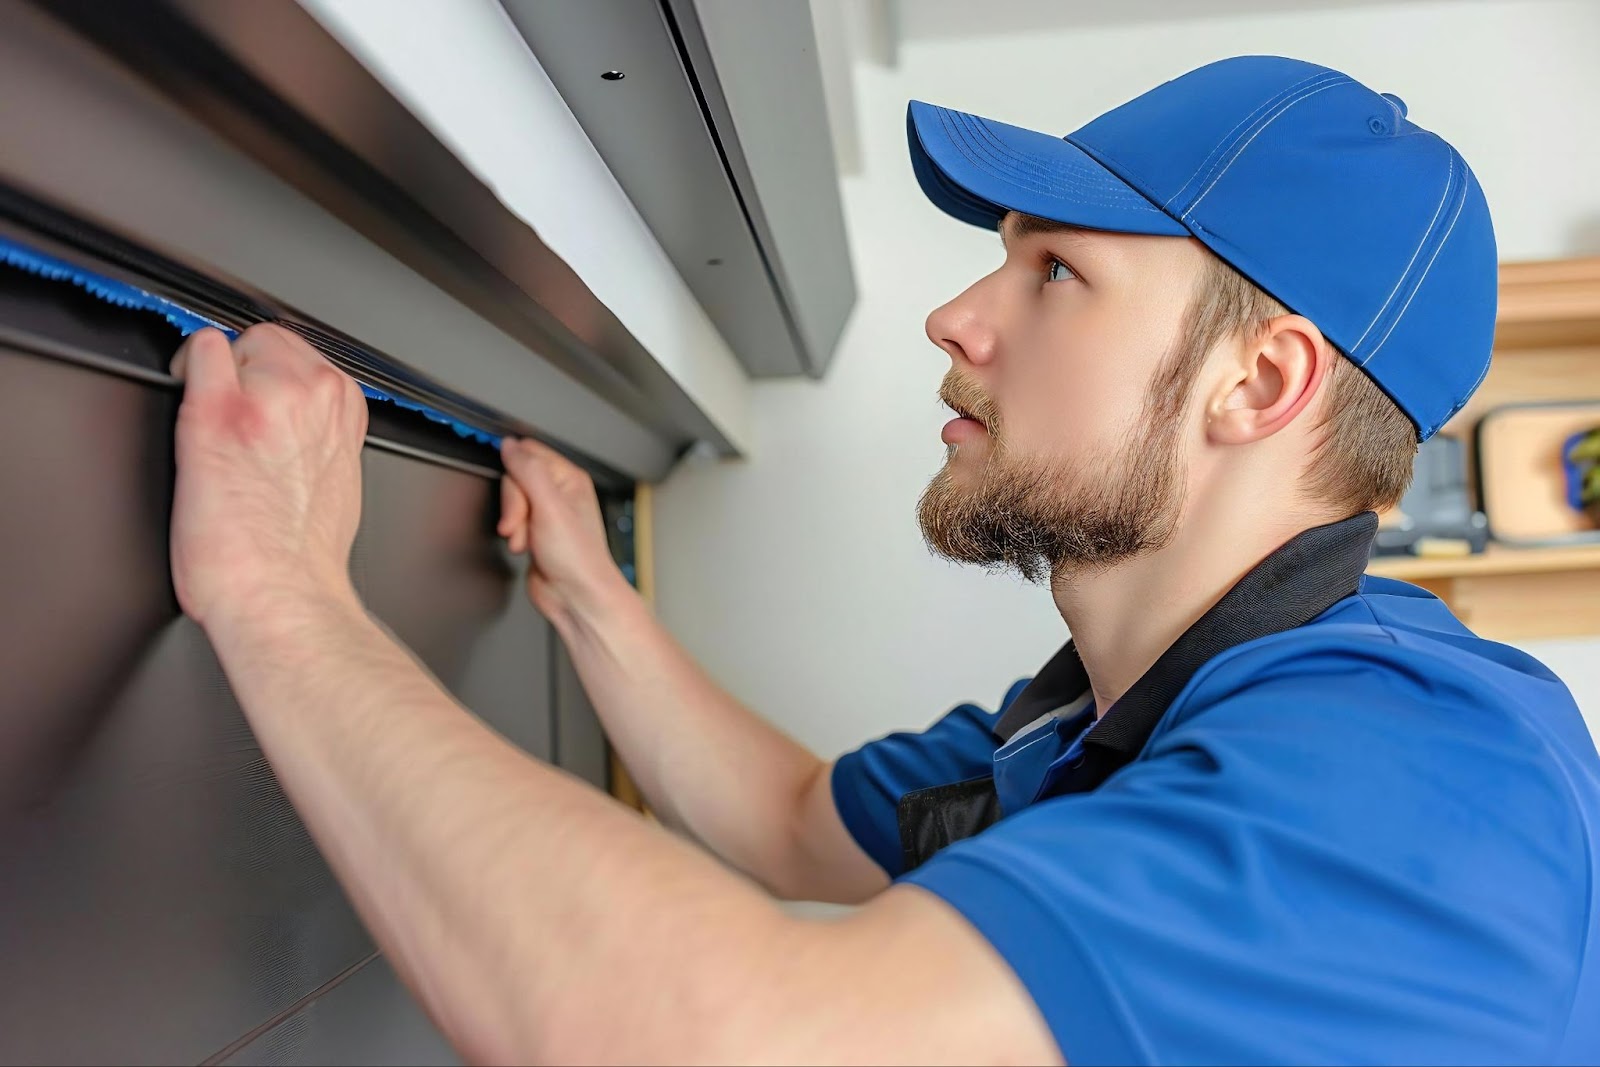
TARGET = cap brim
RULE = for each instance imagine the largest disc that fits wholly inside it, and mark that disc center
(976, 170)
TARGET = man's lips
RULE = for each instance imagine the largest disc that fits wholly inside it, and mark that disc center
(962, 429)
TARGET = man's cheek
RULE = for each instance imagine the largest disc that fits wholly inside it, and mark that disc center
(1050, 431)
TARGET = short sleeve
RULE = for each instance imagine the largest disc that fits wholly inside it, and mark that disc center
(869, 782)
(1286, 878)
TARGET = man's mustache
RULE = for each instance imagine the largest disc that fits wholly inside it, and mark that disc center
(966, 397)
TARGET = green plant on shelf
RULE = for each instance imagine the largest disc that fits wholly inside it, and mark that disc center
(1583, 458)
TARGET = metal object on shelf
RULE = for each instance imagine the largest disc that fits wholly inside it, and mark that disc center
(1436, 513)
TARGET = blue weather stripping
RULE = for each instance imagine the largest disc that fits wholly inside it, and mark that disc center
(121, 294)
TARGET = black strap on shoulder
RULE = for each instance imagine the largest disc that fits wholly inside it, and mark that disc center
(930, 819)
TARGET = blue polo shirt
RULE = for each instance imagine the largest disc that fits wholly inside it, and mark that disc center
(1368, 837)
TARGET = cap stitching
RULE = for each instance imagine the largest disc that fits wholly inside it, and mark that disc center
(1283, 110)
(952, 121)
(1422, 242)
(1005, 155)
(1418, 287)
(1000, 149)
(948, 187)
(1026, 180)
(992, 213)
(1126, 174)
(1226, 140)
(1282, 100)
(1033, 182)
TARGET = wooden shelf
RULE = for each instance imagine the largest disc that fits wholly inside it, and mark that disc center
(1547, 347)
(1495, 560)
(1511, 594)
(1549, 304)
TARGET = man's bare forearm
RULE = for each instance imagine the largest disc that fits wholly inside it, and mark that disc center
(472, 862)
(538, 919)
(709, 765)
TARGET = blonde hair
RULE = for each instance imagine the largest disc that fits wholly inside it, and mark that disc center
(1363, 459)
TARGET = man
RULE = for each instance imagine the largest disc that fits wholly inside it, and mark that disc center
(1261, 808)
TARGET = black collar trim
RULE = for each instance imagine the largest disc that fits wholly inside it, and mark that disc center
(1299, 581)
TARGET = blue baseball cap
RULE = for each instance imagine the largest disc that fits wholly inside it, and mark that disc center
(1316, 188)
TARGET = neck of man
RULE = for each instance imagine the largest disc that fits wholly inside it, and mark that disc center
(1124, 616)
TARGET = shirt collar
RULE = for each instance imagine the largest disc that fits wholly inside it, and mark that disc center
(1299, 581)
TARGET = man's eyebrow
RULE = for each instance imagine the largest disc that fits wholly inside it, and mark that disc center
(1028, 225)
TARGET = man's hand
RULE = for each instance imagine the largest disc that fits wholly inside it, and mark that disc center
(549, 509)
(269, 472)
(510, 896)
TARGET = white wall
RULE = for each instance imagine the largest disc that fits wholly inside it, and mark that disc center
(799, 578)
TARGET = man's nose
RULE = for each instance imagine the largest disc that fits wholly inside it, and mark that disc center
(959, 329)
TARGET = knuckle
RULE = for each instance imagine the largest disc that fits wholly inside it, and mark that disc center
(327, 385)
(257, 335)
(276, 341)
(268, 331)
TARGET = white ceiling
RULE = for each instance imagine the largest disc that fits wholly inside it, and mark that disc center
(871, 31)
(944, 19)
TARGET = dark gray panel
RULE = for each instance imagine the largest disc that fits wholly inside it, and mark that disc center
(579, 740)
(158, 896)
(429, 565)
(336, 1027)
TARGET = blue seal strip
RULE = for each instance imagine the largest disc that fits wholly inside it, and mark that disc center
(186, 321)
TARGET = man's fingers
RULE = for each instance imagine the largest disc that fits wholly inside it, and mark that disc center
(513, 515)
(558, 468)
(269, 352)
(529, 463)
(205, 363)
(274, 351)
(207, 360)
(533, 447)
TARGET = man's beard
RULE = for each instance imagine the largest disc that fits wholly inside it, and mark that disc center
(1058, 519)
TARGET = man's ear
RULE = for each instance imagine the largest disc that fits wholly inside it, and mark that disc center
(1268, 381)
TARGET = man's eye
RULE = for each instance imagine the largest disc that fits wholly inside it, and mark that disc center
(1058, 271)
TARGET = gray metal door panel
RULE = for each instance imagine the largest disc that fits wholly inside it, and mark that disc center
(158, 896)
(580, 741)
(429, 565)
(334, 1028)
